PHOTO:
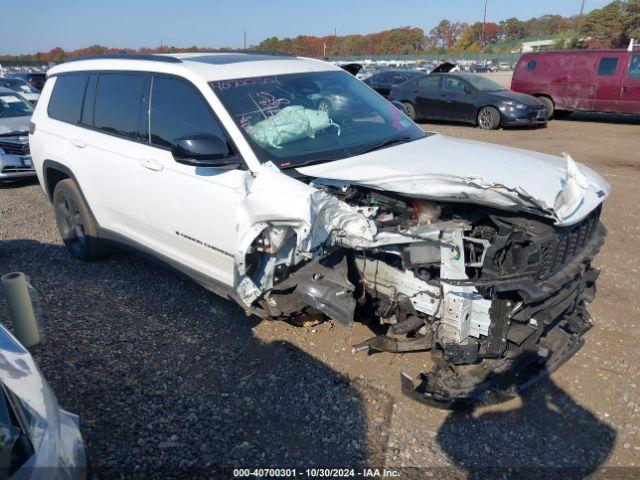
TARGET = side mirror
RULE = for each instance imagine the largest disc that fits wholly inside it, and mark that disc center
(400, 106)
(468, 90)
(203, 150)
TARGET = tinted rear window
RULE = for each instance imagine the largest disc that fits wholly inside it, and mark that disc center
(119, 105)
(66, 98)
(607, 66)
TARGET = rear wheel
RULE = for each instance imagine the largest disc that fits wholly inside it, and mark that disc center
(410, 109)
(75, 223)
(488, 118)
(549, 105)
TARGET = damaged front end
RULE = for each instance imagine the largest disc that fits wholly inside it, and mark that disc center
(481, 288)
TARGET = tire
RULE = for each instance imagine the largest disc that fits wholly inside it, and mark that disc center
(560, 114)
(411, 111)
(76, 225)
(549, 105)
(488, 118)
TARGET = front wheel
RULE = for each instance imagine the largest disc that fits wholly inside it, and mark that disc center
(549, 105)
(76, 225)
(488, 118)
(410, 109)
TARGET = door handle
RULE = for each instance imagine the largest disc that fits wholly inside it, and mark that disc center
(78, 142)
(151, 164)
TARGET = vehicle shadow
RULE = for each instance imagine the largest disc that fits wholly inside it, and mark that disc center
(169, 380)
(549, 436)
(18, 182)
(602, 118)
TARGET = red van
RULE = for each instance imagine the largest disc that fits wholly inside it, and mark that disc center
(581, 80)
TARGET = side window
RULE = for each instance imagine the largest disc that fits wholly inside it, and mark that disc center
(454, 85)
(66, 99)
(178, 109)
(398, 79)
(532, 65)
(377, 78)
(429, 83)
(634, 67)
(385, 78)
(119, 105)
(607, 66)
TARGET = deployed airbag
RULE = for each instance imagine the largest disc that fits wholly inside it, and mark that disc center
(289, 124)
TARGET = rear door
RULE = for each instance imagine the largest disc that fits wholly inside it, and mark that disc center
(607, 82)
(427, 97)
(630, 86)
(110, 148)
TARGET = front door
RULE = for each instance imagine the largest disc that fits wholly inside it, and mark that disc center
(630, 86)
(189, 213)
(607, 83)
(457, 100)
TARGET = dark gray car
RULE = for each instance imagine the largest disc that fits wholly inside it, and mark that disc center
(468, 98)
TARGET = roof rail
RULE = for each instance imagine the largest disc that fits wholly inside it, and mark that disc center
(127, 56)
(248, 52)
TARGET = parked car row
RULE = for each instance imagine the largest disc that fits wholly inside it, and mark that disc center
(15, 156)
(460, 97)
(18, 85)
(468, 98)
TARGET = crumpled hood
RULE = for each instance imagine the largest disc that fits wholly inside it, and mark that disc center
(444, 168)
(14, 124)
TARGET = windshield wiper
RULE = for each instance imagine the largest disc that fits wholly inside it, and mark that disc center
(306, 164)
(386, 143)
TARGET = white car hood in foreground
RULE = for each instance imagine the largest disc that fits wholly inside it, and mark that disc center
(444, 168)
(54, 432)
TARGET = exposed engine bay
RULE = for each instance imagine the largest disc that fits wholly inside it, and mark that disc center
(476, 286)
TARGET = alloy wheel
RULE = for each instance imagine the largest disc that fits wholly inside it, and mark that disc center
(72, 224)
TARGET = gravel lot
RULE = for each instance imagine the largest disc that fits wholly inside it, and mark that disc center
(167, 377)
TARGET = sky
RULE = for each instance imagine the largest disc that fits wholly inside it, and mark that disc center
(73, 24)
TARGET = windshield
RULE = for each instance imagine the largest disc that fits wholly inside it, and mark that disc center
(17, 85)
(483, 84)
(14, 106)
(303, 118)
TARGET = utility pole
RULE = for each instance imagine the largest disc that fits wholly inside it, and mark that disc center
(484, 21)
(580, 18)
(245, 39)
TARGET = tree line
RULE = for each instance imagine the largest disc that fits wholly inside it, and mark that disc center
(611, 26)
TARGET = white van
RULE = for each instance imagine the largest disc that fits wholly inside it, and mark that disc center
(294, 189)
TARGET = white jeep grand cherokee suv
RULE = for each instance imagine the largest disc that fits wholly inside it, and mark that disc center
(291, 187)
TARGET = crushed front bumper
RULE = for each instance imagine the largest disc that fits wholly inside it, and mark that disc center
(529, 116)
(558, 305)
(16, 166)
